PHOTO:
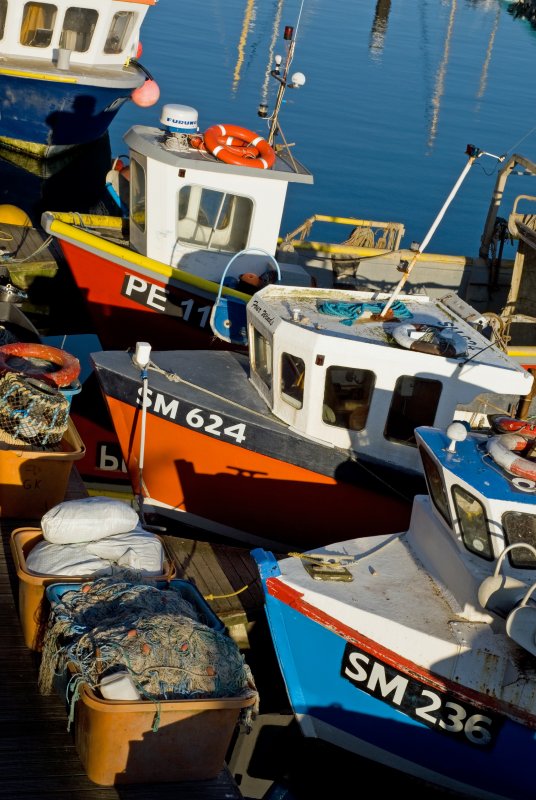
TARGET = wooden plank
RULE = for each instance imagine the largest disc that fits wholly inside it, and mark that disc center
(225, 575)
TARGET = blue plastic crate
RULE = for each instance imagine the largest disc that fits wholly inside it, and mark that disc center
(186, 589)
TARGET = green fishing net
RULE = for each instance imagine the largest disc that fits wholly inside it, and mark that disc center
(172, 648)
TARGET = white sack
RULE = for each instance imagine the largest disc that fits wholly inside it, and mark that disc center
(47, 558)
(87, 520)
(137, 549)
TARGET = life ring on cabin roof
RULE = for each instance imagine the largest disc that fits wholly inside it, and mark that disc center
(68, 366)
(433, 339)
(503, 449)
(235, 145)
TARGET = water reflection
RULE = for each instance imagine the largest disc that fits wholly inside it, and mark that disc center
(379, 27)
(74, 180)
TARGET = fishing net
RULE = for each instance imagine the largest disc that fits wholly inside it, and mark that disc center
(31, 412)
(163, 639)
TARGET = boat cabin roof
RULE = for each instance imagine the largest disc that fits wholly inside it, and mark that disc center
(470, 462)
(332, 317)
(151, 143)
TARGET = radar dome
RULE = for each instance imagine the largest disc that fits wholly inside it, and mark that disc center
(179, 119)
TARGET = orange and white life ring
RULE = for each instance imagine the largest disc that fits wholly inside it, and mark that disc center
(68, 367)
(503, 449)
(501, 423)
(433, 339)
(235, 145)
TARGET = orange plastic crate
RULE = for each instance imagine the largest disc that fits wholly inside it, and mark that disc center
(116, 742)
(33, 481)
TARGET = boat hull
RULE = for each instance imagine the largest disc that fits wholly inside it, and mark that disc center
(44, 117)
(127, 303)
(272, 486)
(312, 653)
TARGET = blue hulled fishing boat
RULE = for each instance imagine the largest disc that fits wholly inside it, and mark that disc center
(417, 650)
(66, 70)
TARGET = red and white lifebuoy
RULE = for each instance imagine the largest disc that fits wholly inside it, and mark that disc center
(68, 366)
(501, 423)
(231, 144)
(503, 449)
(239, 146)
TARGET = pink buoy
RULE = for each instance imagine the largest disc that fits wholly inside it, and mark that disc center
(139, 51)
(147, 94)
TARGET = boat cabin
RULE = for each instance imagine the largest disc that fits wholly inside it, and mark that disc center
(64, 33)
(330, 367)
(184, 201)
(489, 517)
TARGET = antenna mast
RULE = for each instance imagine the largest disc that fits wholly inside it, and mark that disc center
(297, 80)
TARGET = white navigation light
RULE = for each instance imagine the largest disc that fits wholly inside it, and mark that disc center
(142, 356)
(456, 432)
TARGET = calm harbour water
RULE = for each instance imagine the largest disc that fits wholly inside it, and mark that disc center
(395, 90)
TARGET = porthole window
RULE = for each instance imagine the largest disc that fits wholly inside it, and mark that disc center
(38, 20)
(119, 32)
(414, 402)
(78, 27)
(473, 523)
(347, 395)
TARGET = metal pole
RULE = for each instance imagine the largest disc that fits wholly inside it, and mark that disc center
(279, 99)
(141, 359)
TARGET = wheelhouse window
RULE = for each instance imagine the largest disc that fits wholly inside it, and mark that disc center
(436, 487)
(262, 357)
(347, 395)
(520, 528)
(3, 14)
(414, 403)
(473, 523)
(38, 21)
(215, 220)
(119, 32)
(292, 379)
(137, 195)
(78, 28)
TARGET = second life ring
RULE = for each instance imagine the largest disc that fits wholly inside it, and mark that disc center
(24, 357)
(503, 449)
(501, 423)
(235, 145)
(433, 339)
